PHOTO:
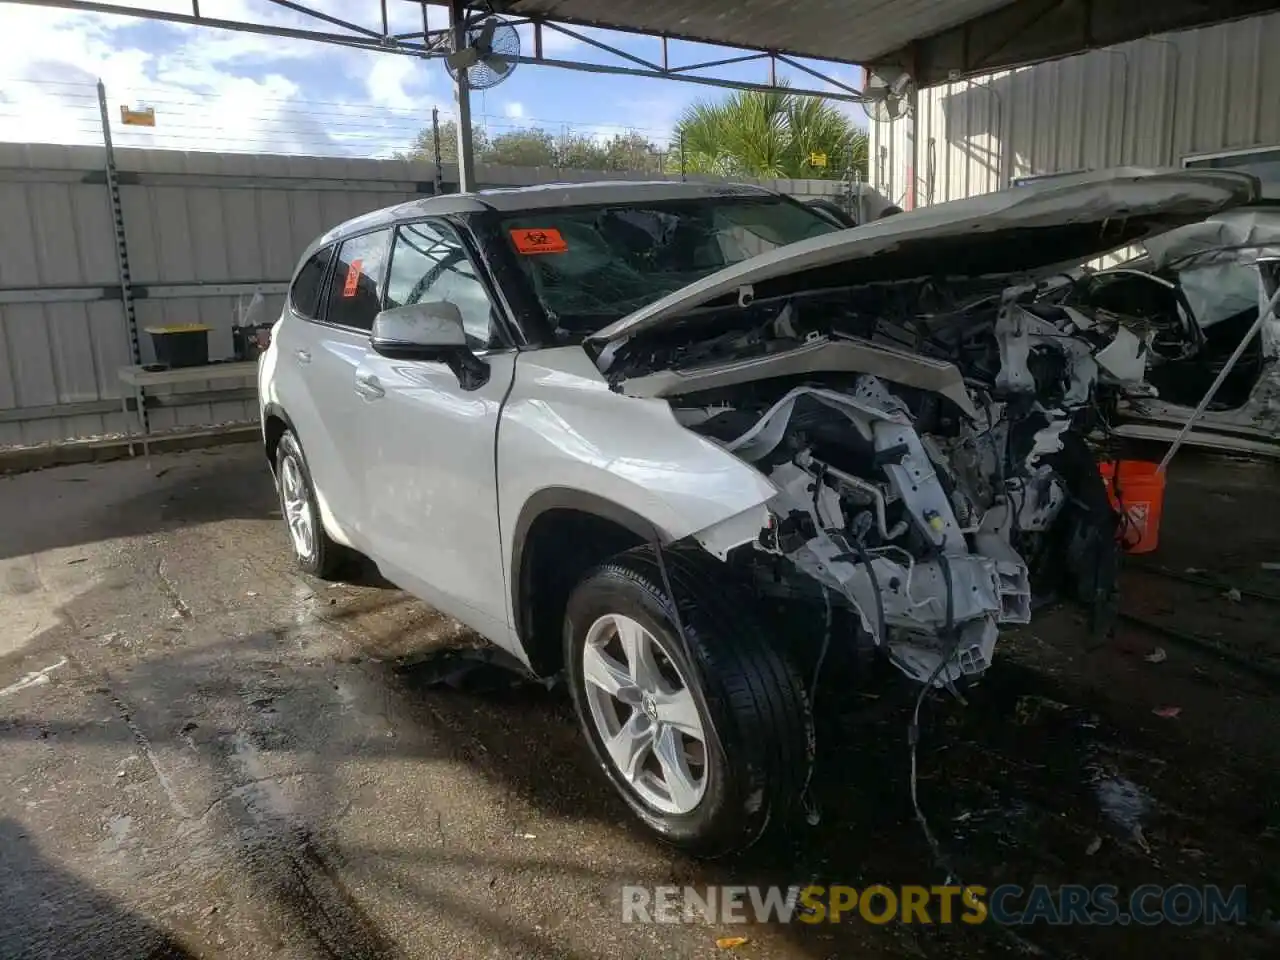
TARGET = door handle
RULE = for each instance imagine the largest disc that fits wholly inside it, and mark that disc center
(368, 387)
(304, 356)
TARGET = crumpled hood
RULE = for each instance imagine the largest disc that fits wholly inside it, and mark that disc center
(1061, 222)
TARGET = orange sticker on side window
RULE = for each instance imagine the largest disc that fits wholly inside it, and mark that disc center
(352, 283)
(538, 240)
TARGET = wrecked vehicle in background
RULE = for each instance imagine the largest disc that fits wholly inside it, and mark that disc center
(1197, 291)
(673, 439)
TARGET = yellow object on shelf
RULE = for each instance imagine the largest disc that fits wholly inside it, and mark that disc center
(181, 344)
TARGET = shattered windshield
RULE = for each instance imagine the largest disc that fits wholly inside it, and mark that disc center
(590, 266)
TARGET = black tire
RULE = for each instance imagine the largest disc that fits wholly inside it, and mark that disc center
(326, 557)
(750, 698)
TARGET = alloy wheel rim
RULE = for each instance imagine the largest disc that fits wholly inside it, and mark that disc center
(645, 714)
(297, 507)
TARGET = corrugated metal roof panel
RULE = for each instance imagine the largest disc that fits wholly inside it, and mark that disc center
(855, 31)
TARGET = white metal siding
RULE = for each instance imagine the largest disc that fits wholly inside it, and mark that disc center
(1146, 103)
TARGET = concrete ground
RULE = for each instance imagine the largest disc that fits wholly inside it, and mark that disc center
(206, 754)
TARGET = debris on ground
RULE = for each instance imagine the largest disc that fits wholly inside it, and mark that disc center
(1030, 707)
(1124, 803)
(1233, 595)
(1156, 656)
(1168, 713)
(728, 943)
(1094, 846)
(34, 679)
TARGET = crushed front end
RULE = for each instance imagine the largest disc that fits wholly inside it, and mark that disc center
(938, 493)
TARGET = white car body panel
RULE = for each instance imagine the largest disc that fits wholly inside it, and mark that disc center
(425, 453)
(303, 387)
(563, 428)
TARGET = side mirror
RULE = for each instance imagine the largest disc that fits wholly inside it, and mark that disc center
(429, 332)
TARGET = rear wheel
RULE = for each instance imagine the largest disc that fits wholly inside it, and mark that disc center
(313, 549)
(706, 733)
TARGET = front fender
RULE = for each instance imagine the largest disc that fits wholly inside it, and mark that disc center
(563, 428)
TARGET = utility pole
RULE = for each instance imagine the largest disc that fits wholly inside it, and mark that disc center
(435, 139)
(462, 92)
(122, 247)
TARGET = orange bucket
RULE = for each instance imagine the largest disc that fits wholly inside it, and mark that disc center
(1136, 489)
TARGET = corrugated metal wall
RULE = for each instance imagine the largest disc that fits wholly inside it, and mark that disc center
(203, 231)
(1146, 103)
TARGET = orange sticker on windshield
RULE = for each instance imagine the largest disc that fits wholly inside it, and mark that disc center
(538, 240)
(353, 279)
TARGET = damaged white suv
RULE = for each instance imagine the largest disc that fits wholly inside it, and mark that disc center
(617, 427)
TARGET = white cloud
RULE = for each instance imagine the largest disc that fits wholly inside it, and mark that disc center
(213, 90)
(391, 82)
(513, 109)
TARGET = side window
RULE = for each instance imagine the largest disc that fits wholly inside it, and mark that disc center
(304, 295)
(430, 263)
(354, 295)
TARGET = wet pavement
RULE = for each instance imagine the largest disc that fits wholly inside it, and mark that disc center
(206, 754)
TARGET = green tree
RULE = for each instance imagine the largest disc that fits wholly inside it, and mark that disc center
(535, 147)
(530, 147)
(423, 146)
(578, 151)
(631, 151)
(768, 134)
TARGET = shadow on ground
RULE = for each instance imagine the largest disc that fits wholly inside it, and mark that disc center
(49, 912)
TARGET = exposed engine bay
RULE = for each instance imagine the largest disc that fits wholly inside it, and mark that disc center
(928, 444)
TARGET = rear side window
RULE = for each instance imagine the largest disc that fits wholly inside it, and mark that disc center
(304, 295)
(355, 295)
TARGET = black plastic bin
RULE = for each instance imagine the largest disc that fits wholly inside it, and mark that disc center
(181, 344)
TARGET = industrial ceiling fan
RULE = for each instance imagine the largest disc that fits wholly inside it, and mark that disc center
(888, 97)
(490, 55)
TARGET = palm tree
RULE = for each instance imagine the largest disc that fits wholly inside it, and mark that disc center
(768, 134)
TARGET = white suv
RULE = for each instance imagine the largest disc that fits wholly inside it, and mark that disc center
(640, 432)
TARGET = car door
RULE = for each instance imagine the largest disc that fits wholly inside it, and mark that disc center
(331, 348)
(430, 473)
(294, 343)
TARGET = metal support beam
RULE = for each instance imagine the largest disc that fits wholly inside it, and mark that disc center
(462, 94)
(438, 180)
(336, 21)
(363, 40)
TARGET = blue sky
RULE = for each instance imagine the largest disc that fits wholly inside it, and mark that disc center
(228, 90)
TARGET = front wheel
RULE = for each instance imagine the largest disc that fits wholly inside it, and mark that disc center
(706, 733)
